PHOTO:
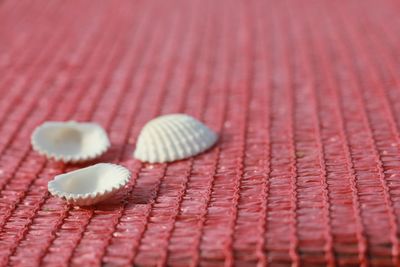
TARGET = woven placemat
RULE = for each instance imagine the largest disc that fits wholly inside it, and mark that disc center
(304, 94)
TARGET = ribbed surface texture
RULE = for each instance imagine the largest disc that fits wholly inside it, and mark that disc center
(304, 94)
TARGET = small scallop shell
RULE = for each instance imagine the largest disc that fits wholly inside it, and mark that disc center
(89, 185)
(173, 137)
(70, 141)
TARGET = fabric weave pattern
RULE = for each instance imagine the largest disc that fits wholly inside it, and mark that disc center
(304, 95)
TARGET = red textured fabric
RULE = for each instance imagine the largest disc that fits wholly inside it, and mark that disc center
(304, 95)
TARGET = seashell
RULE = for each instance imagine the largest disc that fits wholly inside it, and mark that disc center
(70, 141)
(89, 185)
(173, 137)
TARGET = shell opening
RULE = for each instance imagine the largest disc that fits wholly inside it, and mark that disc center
(70, 141)
(86, 181)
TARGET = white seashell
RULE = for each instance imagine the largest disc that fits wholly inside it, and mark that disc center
(173, 137)
(70, 141)
(89, 185)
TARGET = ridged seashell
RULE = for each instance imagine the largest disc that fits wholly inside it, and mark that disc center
(89, 185)
(70, 141)
(173, 137)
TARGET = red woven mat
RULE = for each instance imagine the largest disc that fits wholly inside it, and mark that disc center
(304, 95)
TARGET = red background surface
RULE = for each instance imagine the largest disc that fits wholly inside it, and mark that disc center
(305, 96)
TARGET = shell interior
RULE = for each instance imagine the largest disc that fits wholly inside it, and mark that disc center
(70, 141)
(91, 184)
(173, 137)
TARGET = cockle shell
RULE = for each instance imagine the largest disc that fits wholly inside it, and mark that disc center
(89, 185)
(70, 141)
(173, 137)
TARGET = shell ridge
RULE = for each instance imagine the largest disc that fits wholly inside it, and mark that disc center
(171, 132)
(162, 151)
(184, 140)
(173, 137)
